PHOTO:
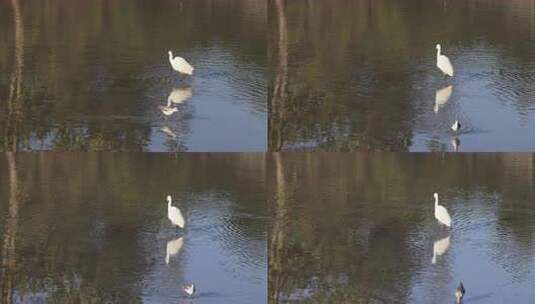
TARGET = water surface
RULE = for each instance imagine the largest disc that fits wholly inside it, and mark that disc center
(361, 75)
(91, 75)
(360, 228)
(93, 228)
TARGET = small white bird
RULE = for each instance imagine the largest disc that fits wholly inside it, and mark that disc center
(179, 96)
(189, 289)
(174, 214)
(441, 213)
(443, 63)
(439, 248)
(173, 247)
(456, 126)
(459, 293)
(167, 110)
(180, 64)
(441, 97)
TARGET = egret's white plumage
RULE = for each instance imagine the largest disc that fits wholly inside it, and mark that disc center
(442, 96)
(179, 95)
(173, 247)
(180, 64)
(443, 63)
(440, 247)
(441, 213)
(174, 214)
(456, 126)
(189, 289)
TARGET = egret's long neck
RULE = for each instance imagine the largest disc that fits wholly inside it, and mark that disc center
(170, 56)
(436, 202)
(438, 52)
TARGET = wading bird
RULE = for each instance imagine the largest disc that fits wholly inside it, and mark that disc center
(441, 213)
(456, 126)
(189, 289)
(443, 63)
(459, 293)
(180, 64)
(174, 214)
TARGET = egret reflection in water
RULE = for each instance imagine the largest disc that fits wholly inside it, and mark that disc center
(440, 247)
(441, 97)
(179, 95)
(173, 248)
(167, 131)
(455, 143)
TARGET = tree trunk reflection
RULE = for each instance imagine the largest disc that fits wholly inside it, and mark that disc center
(8, 245)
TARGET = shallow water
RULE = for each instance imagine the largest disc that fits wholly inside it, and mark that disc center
(361, 228)
(361, 75)
(79, 75)
(93, 228)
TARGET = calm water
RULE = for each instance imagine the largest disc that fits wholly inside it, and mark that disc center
(90, 75)
(361, 228)
(93, 228)
(361, 74)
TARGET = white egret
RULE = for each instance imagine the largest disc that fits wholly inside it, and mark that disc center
(180, 64)
(459, 293)
(173, 247)
(174, 214)
(189, 289)
(441, 213)
(179, 95)
(441, 97)
(443, 63)
(456, 126)
(440, 247)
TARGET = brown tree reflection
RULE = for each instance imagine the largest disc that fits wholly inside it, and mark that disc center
(10, 232)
